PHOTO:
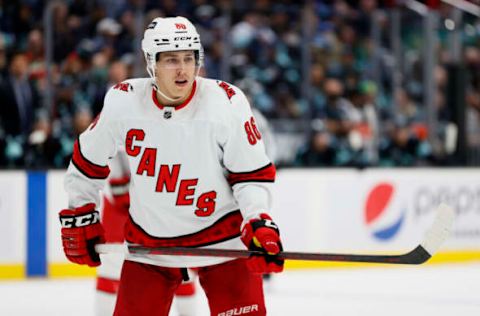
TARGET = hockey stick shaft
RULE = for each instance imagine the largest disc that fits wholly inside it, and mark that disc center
(434, 238)
(417, 256)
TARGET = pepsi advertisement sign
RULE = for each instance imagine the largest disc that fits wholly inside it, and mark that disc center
(377, 206)
(375, 210)
(393, 209)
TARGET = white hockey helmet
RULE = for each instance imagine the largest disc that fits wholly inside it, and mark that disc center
(167, 35)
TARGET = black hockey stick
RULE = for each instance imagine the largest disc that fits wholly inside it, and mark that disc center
(434, 237)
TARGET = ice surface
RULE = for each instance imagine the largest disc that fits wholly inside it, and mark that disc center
(375, 291)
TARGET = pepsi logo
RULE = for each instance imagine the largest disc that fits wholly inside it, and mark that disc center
(379, 211)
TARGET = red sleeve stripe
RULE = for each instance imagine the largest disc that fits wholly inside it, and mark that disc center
(264, 174)
(119, 181)
(226, 228)
(85, 166)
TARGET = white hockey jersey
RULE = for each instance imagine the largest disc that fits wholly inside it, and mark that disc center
(198, 170)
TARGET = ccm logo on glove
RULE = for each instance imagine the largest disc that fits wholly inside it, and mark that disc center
(81, 231)
(80, 220)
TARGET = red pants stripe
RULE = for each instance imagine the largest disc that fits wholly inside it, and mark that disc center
(231, 289)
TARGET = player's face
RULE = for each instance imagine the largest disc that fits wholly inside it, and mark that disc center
(176, 73)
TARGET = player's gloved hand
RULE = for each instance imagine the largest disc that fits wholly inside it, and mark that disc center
(81, 231)
(263, 235)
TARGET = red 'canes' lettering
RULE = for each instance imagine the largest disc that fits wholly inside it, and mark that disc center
(264, 174)
(147, 162)
(87, 167)
(167, 178)
(186, 189)
(206, 204)
(133, 134)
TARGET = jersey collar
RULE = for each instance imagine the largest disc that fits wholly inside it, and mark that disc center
(180, 106)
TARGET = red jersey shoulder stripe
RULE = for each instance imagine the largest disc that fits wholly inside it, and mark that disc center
(263, 174)
(87, 167)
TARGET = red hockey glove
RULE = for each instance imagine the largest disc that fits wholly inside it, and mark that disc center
(263, 235)
(81, 231)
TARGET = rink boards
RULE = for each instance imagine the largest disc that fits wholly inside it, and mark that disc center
(328, 210)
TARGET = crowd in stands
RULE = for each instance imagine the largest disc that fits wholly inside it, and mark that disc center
(309, 64)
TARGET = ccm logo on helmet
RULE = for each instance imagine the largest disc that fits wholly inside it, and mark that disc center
(182, 38)
(80, 220)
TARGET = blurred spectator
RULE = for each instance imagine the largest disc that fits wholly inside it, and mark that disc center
(286, 106)
(37, 68)
(19, 98)
(107, 38)
(473, 119)
(267, 50)
(405, 109)
(3, 145)
(126, 39)
(267, 42)
(70, 92)
(117, 72)
(320, 150)
(13, 151)
(363, 137)
(3, 57)
(65, 39)
(81, 120)
(43, 148)
(404, 148)
(338, 109)
(317, 77)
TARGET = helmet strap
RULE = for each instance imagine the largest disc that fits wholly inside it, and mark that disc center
(163, 94)
(151, 72)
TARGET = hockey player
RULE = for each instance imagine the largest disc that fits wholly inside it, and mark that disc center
(199, 178)
(116, 202)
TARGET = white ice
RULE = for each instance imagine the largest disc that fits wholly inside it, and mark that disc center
(375, 291)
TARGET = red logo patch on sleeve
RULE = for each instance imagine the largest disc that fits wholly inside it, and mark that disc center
(229, 90)
(123, 86)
